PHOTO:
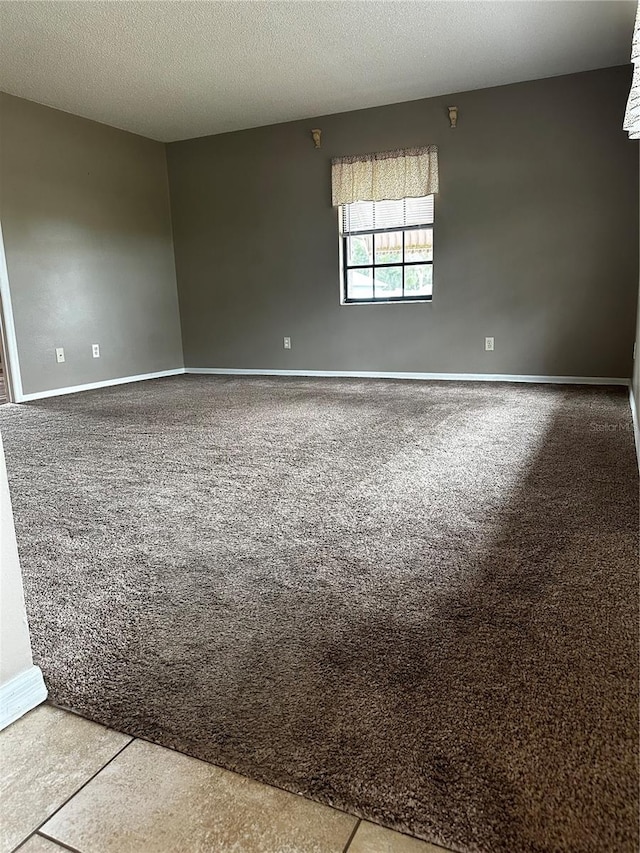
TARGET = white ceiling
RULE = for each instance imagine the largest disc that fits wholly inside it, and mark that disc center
(175, 70)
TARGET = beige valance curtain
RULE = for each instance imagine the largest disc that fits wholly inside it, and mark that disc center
(632, 115)
(406, 173)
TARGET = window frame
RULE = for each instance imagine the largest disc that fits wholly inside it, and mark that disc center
(346, 300)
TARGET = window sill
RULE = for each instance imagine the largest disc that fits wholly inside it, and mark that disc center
(424, 301)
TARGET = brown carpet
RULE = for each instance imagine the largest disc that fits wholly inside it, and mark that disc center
(414, 601)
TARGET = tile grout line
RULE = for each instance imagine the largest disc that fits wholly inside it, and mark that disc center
(219, 767)
(352, 836)
(36, 831)
(56, 841)
(175, 749)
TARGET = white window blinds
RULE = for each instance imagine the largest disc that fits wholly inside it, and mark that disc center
(368, 216)
(405, 173)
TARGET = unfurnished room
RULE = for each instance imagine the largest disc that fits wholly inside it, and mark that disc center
(319, 389)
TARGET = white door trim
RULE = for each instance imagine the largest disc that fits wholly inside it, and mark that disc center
(9, 340)
(635, 415)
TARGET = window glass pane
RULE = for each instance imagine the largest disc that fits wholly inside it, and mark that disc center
(388, 282)
(389, 247)
(360, 284)
(418, 245)
(360, 250)
(418, 280)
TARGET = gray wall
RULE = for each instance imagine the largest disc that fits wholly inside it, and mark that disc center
(536, 238)
(87, 233)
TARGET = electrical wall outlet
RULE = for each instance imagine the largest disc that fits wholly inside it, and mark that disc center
(95, 349)
(59, 354)
(489, 344)
(286, 343)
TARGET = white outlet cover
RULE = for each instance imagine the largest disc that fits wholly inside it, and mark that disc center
(489, 344)
(287, 343)
(59, 354)
(95, 349)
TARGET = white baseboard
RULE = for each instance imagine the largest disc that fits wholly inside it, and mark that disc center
(20, 694)
(457, 377)
(347, 374)
(105, 383)
(636, 424)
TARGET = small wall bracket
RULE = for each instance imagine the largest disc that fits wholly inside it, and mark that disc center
(453, 116)
(316, 133)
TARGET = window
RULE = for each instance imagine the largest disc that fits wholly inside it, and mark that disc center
(387, 250)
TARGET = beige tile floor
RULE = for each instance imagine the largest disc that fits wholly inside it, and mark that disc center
(69, 784)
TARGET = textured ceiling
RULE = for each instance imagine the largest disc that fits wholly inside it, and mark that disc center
(174, 70)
